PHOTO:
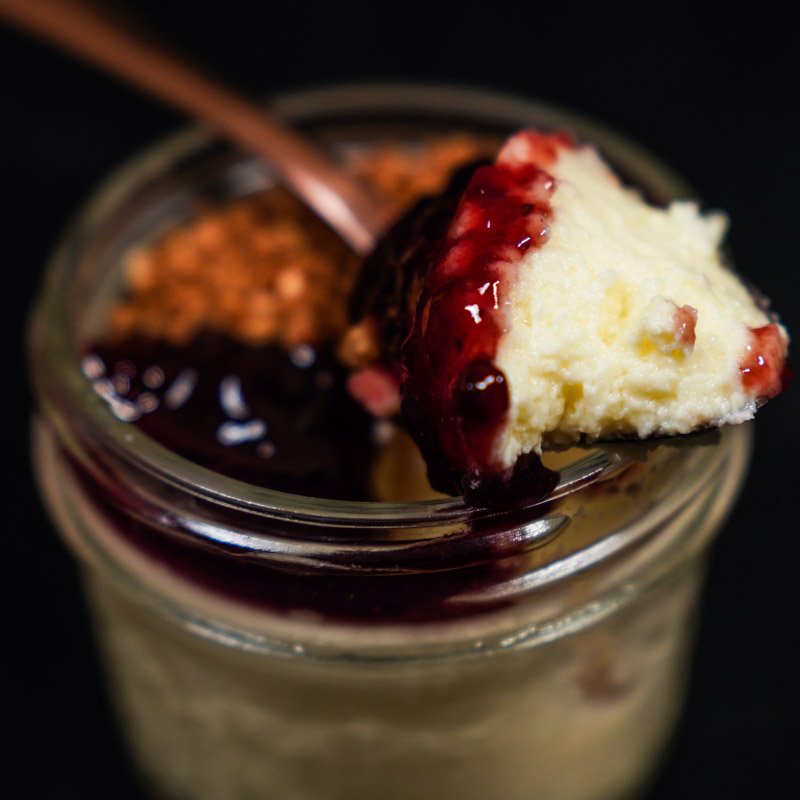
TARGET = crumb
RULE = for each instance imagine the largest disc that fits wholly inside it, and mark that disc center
(264, 269)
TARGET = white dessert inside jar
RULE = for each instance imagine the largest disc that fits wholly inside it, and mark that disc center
(570, 690)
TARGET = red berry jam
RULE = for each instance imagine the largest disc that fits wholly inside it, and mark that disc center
(764, 370)
(452, 390)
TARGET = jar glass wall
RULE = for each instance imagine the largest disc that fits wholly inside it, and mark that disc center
(262, 644)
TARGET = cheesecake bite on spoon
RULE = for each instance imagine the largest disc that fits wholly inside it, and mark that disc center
(541, 302)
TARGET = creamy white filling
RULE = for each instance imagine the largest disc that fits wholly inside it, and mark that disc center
(595, 344)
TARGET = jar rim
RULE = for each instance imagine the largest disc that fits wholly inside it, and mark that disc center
(64, 392)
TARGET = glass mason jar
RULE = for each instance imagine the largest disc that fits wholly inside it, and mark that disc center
(268, 645)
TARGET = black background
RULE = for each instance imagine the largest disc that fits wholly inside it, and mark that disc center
(715, 101)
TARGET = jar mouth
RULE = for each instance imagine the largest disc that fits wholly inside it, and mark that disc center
(65, 395)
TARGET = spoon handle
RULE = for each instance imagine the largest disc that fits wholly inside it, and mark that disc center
(94, 33)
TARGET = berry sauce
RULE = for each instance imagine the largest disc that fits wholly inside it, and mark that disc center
(765, 372)
(270, 417)
(454, 395)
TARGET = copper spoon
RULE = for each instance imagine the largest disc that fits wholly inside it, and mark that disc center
(94, 33)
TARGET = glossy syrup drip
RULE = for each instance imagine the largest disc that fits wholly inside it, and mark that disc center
(454, 394)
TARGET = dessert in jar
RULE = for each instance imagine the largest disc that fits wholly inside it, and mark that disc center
(284, 607)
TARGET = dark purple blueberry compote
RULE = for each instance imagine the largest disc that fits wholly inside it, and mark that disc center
(265, 415)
